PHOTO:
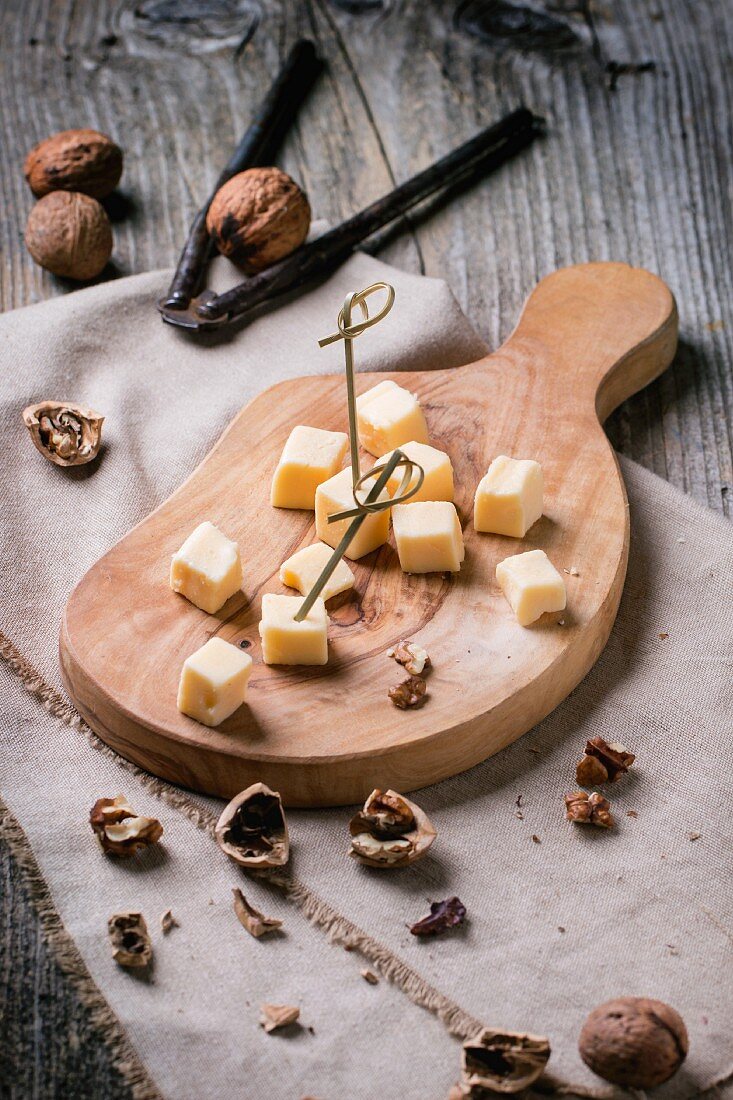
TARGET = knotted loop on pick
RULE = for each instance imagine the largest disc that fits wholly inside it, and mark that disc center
(349, 331)
(368, 504)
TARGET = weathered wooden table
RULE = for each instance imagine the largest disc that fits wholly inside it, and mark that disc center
(636, 166)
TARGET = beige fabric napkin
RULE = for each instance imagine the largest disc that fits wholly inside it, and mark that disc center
(555, 926)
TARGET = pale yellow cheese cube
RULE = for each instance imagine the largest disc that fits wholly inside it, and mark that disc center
(303, 569)
(214, 682)
(531, 584)
(438, 481)
(428, 536)
(335, 495)
(389, 416)
(285, 642)
(509, 497)
(207, 570)
(310, 457)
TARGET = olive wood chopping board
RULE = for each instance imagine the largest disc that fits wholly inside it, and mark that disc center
(588, 337)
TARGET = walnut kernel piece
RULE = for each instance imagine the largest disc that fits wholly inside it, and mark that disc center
(252, 830)
(443, 915)
(502, 1061)
(120, 830)
(74, 160)
(70, 235)
(275, 1016)
(413, 656)
(410, 693)
(258, 217)
(131, 946)
(634, 1042)
(590, 772)
(390, 831)
(64, 433)
(256, 923)
(603, 762)
(584, 809)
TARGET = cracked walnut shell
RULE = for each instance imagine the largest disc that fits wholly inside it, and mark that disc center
(120, 830)
(128, 934)
(69, 234)
(390, 831)
(502, 1061)
(74, 160)
(258, 217)
(252, 830)
(65, 434)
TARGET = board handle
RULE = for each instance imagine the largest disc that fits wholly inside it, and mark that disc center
(609, 329)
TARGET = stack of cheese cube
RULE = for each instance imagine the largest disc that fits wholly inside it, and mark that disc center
(309, 475)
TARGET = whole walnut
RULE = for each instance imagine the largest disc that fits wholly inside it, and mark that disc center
(258, 217)
(74, 160)
(69, 234)
(634, 1041)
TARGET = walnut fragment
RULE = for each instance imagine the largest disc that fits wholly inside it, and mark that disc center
(256, 923)
(120, 830)
(410, 693)
(603, 762)
(443, 915)
(64, 433)
(168, 922)
(390, 831)
(502, 1061)
(131, 946)
(275, 1016)
(414, 657)
(584, 809)
(252, 829)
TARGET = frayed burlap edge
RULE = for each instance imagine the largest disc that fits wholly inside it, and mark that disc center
(338, 929)
(102, 1019)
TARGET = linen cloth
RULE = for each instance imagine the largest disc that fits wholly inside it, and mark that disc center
(556, 925)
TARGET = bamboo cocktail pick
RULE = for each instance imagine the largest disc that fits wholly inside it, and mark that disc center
(348, 331)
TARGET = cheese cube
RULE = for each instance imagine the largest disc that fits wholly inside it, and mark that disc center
(335, 495)
(214, 682)
(509, 497)
(285, 642)
(428, 536)
(310, 457)
(438, 481)
(389, 416)
(531, 584)
(303, 569)
(207, 570)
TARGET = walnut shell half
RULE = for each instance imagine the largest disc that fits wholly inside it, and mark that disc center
(258, 217)
(502, 1061)
(129, 940)
(69, 234)
(390, 831)
(252, 830)
(64, 433)
(74, 160)
(634, 1041)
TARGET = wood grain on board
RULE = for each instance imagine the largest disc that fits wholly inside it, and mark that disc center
(588, 336)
